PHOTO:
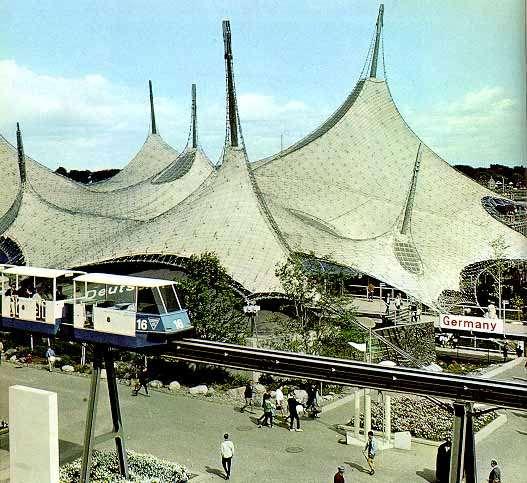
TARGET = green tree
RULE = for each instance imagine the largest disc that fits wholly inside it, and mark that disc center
(497, 268)
(215, 307)
(518, 303)
(318, 322)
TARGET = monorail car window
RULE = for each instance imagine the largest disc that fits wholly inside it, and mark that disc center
(110, 295)
(146, 302)
(44, 287)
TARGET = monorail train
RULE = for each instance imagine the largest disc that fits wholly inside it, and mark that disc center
(117, 310)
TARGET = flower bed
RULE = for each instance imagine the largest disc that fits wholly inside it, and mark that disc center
(421, 417)
(143, 468)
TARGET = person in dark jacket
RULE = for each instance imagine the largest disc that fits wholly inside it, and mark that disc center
(248, 395)
(142, 377)
(339, 475)
(519, 351)
(292, 404)
(443, 461)
(495, 472)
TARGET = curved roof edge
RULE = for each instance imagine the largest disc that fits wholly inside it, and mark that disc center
(321, 130)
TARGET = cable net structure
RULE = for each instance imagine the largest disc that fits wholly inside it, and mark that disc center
(362, 190)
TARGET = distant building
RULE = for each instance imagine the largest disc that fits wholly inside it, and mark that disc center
(491, 184)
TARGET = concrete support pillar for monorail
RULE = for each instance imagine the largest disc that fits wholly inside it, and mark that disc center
(367, 412)
(387, 418)
(356, 425)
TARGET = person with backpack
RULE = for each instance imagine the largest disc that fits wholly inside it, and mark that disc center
(248, 395)
(292, 405)
(142, 381)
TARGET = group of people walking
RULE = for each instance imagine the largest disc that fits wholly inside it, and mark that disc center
(290, 410)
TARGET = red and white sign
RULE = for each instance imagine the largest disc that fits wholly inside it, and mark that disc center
(476, 324)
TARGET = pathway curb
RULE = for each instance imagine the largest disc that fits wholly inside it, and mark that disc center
(503, 368)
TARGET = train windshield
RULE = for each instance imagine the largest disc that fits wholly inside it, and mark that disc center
(157, 300)
(169, 297)
(148, 301)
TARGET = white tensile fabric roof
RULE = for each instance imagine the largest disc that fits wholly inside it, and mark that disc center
(343, 194)
(362, 190)
(143, 197)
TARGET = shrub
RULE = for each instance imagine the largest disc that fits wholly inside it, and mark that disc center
(421, 417)
(66, 360)
(142, 468)
(82, 369)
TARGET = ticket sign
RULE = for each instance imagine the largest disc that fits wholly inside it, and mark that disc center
(475, 324)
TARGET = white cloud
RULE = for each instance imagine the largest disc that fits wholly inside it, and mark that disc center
(90, 122)
(481, 126)
(258, 107)
(81, 122)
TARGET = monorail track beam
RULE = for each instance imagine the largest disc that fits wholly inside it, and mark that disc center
(507, 394)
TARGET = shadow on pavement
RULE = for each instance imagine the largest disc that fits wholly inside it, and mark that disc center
(356, 466)
(243, 409)
(68, 451)
(255, 420)
(427, 474)
(215, 471)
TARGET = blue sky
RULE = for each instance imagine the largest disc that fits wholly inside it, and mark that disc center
(75, 74)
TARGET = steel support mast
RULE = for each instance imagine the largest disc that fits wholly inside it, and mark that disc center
(231, 93)
(152, 113)
(373, 70)
(102, 354)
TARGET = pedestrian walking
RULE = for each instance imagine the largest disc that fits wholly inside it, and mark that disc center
(519, 350)
(279, 396)
(505, 352)
(370, 450)
(248, 395)
(387, 301)
(142, 381)
(269, 411)
(339, 475)
(398, 303)
(227, 452)
(311, 404)
(370, 290)
(1, 351)
(292, 405)
(51, 357)
(413, 311)
(443, 461)
(495, 472)
(261, 419)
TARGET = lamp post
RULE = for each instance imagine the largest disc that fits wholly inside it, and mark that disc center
(369, 324)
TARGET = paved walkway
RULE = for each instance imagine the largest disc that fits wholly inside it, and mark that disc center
(189, 430)
(508, 444)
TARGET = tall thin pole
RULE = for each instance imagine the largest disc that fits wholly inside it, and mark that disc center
(231, 94)
(194, 117)
(152, 113)
(21, 157)
(373, 70)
